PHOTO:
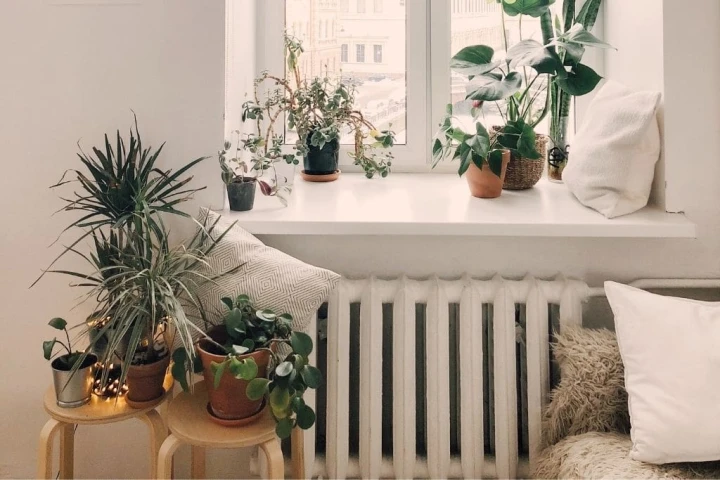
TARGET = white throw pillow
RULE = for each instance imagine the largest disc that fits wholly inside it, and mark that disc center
(670, 349)
(271, 278)
(613, 156)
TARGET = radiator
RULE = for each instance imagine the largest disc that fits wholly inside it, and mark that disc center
(486, 315)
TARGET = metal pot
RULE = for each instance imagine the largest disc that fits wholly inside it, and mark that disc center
(73, 389)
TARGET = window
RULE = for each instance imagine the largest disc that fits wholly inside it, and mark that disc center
(404, 80)
(377, 53)
(360, 53)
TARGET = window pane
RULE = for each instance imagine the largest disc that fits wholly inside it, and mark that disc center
(365, 44)
(479, 23)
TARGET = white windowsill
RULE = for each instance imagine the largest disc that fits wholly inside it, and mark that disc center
(440, 204)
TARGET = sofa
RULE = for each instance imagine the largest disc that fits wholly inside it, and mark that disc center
(586, 426)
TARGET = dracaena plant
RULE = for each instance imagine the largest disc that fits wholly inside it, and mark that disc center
(289, 374)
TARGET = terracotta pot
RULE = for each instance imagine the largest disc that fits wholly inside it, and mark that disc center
(229, 401)
(483, 182)
(145, 382)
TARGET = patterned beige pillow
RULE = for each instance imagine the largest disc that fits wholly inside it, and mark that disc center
(591, 396)
(270, 277)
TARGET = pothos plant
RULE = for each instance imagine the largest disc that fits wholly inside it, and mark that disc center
(289, 374)
(320, 110)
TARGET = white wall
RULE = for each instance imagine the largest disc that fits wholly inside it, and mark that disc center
(68, 73)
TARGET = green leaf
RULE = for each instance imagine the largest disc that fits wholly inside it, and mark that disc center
(235, 322)
(579, 34)
(305, 418)
(297, 403)
(301, 343)
(257, 388)
(479, 144)
(581, 80)
(218, 369)
(48, 348)
(311, 376)
(533, 8)
(58, 323)
(534, 54)
(495, 161)
(588, 13)
(284, 427)
(240, 349)
(179, 374)
(526, 143)
(474, 60)
(279, 401)
(284, 369)
(266, 315)
(249, 344)
(285, 318)
(489, 89)
(227, 301)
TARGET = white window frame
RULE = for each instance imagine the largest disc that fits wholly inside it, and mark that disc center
(428, 81)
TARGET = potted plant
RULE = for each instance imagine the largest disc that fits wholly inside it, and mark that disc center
(72, 371)
(567, 38)
(521, 86)
(140, 283)
(483, 160)
(320, 110)
(254, 355)
(240, 187)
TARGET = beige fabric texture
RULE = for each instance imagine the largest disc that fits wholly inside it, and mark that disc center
(606, 455)
(591, 396)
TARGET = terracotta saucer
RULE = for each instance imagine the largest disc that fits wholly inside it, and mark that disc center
(145, 404)
(330, 177)
(238, 422)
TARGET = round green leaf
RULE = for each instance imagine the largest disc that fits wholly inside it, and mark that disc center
(284, 369)
(257, 388)
(279, 401)
(284, 427)
(306, 418)
(240, 349)
(297, 403)
(58, 323)
(311, 376)
(301, 343)
(228, 302)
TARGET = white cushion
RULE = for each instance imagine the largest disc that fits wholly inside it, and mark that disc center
(670, 348)
(613, 156)
(272, 279)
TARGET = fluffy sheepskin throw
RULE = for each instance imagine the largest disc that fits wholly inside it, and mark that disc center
(591, 396)
(606, 455)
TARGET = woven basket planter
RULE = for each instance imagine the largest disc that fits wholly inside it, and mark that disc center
(523, 173)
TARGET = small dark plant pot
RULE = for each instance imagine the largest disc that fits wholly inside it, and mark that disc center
(229, 401)
(145, 382)
(322, 161)
(241, 195)
(73, 389)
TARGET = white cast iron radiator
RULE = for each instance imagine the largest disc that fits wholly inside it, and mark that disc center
(471, 429)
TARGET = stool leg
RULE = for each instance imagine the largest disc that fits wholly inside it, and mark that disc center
(158, 432)
(67, 451)
(274, 457)
(45, 450)
(297, 445)
(197, 455)
(165, 457)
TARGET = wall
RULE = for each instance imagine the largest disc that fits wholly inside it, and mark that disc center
(74, 72)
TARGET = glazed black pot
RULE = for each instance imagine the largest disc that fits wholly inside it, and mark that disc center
(322, 161)
(241, 195)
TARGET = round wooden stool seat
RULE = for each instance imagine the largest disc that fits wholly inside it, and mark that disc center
(98, 411)
(189, 421)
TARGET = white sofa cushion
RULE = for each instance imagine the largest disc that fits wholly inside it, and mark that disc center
(613, 157)
(670, 349)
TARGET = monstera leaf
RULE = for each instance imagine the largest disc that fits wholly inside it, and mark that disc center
(533, 8)
(474, 60)
(489, 88)
(581, 80)
(533, 54)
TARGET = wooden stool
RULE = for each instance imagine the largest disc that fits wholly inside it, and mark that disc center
(98, 411)
(190, 424)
